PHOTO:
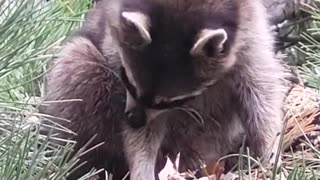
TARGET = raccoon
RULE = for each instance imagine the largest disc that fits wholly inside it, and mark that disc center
(92, 99)
(198, 77)
(209, 59)
(92, 104)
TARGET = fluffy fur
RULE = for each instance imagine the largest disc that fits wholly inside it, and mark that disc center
(94, 101)
(237, 92)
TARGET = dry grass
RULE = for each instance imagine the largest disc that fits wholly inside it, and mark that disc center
(302, 116)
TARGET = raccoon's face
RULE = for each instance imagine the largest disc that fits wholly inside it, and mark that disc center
(172, 54)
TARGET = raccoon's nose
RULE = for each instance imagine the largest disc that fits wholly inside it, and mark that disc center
(136, 117)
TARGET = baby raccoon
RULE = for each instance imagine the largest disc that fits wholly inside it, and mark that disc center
(212, 57)
(199, 77)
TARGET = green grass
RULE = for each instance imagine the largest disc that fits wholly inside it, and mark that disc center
(30, 33)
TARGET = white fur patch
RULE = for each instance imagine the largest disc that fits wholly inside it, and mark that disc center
(153, 114)
(205, 36)
(187, 95)
(141, 21)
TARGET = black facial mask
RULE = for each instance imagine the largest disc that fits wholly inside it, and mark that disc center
(159, 106)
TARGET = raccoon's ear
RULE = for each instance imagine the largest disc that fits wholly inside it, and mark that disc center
(136, 28)
(210, 42)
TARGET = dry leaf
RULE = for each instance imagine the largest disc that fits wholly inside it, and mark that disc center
(170, 172)
(216, 168)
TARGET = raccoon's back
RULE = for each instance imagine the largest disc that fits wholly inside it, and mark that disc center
(92, 98)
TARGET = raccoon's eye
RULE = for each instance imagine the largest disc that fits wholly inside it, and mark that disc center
(135, 29)
(210, 43)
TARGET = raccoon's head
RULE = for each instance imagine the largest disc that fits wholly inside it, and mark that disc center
(174, 50)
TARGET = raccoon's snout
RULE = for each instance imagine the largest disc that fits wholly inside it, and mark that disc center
(136, 117)
(136, 114)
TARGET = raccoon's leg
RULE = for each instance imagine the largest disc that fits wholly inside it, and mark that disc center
(262, 133)
(262, 117)
(141, 147)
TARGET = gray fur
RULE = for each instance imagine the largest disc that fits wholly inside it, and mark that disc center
(244, 98)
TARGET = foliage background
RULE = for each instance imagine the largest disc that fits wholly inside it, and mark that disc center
(32, 30)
